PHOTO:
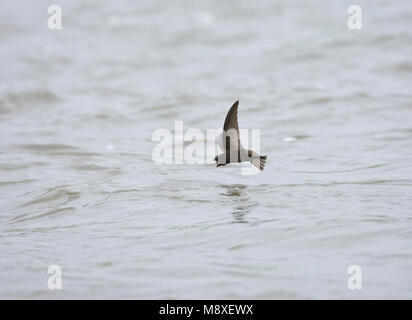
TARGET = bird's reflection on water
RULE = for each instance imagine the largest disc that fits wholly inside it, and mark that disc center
(237, 196)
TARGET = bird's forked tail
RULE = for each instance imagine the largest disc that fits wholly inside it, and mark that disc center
(259, 162)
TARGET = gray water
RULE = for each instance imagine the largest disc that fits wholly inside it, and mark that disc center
(79, 189)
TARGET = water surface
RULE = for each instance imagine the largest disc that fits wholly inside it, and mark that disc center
(79, 189)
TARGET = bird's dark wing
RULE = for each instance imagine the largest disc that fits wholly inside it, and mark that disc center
(231, 118)
(230, 134)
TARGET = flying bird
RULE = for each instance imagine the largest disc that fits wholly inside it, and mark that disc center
(233, 149)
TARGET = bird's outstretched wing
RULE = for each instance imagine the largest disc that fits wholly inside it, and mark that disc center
(230, 134)
(231, 118)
